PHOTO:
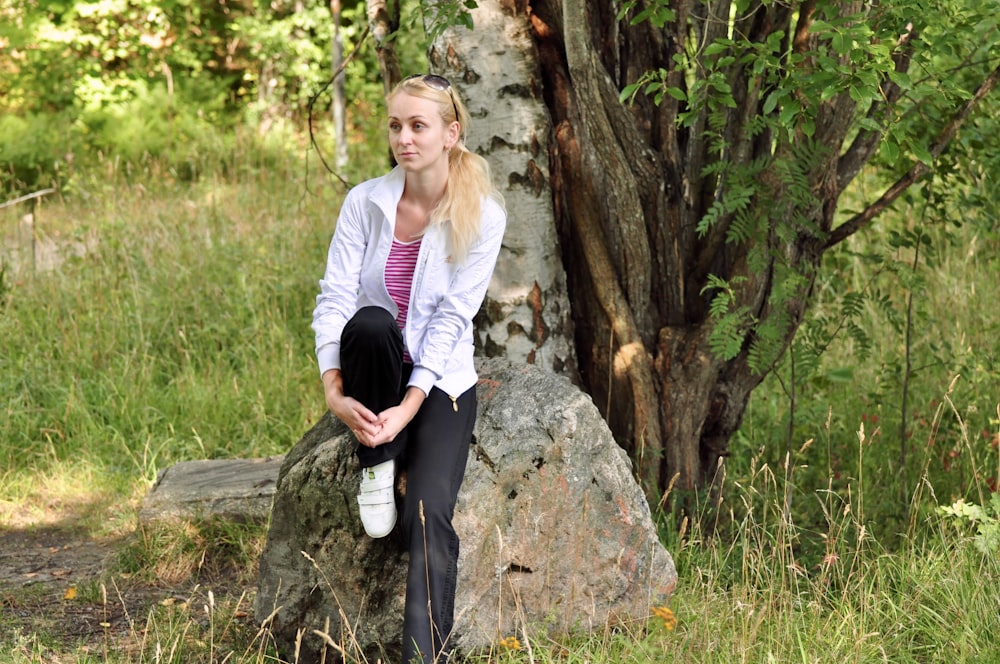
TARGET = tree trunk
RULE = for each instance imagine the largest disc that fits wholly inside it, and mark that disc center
(339, 100)
(572, 160)
(526, 315)
(383, 20)
(660, 211)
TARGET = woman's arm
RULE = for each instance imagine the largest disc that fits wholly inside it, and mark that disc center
(461, 302)
(363, 422)
(393, 420)
(338, 294)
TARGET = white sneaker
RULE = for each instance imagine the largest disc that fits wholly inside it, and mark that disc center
(377, 500)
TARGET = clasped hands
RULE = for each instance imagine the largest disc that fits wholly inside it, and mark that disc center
(369, 428)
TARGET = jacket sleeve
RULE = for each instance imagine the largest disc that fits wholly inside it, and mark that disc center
(338, 295)
(460, 304)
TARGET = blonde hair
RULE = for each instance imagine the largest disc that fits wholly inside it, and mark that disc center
(469, 177)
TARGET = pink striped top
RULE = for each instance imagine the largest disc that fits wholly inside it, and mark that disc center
(399, 279)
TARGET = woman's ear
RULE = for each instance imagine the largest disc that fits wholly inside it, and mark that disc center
(453, 134)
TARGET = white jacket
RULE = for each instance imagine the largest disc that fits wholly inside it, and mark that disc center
(444, 297)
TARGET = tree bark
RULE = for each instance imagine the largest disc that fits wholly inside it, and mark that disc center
(383, 20)
(619, 194)
(526, 316)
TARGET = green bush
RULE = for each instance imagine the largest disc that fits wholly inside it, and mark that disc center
(35, 150)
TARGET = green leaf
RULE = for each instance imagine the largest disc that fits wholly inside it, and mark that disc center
(788, 113)
(676, 93)
(891, 150)
(716, 47)
(770, 103)
(921, 152)
(721, 86)
(900, 78)
(841, 44)
(841, 375)
(628, 92)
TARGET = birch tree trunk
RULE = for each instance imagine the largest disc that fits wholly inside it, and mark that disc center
(526, 316)
(339, 100)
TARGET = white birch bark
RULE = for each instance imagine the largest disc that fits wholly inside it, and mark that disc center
(494, 68)
(339, 97)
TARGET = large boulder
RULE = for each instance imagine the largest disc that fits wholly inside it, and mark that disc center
(556, 534)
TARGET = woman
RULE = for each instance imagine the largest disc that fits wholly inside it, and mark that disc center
(408, 267)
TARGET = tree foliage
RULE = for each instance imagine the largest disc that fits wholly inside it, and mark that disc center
(696, 218)
(135, 78)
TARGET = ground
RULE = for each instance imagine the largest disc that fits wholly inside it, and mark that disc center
(42, 570)
(64, 590)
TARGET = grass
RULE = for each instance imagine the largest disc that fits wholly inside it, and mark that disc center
(753, 599)
(182, 332)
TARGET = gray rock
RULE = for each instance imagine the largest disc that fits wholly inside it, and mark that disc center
(556, 534)
(231, 489)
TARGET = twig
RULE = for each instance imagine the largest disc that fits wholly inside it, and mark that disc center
(427, 578)
(312, 102)
(27, 197)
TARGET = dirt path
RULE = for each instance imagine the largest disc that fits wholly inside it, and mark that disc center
(42, 573)
(55, 556)
(61, 587)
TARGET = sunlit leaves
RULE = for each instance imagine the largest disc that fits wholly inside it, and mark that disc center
(444, 14)
(985, 519)
(137, 78)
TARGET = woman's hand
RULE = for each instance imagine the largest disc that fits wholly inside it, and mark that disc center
(393, 420)
(363, 422)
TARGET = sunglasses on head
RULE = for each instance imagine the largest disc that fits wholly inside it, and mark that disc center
(438, 83)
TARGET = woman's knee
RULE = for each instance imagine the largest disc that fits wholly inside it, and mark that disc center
(371, 327)
(370, 321)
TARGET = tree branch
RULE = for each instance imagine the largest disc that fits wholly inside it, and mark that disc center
(917, 171)
(312, 102)
(866, 142)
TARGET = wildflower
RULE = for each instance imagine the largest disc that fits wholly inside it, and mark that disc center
(667, 616)
(510, 643)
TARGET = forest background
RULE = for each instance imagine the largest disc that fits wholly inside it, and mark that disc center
(154, 307)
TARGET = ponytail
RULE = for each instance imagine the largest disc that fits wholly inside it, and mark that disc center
(470, 182)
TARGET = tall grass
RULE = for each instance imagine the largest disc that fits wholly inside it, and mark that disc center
(760, 597)
(182, 331)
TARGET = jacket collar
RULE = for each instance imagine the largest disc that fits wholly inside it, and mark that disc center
(387, 192)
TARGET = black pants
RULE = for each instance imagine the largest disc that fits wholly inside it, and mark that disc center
(433, 449)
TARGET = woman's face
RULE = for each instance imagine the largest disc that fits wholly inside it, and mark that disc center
(418, 135)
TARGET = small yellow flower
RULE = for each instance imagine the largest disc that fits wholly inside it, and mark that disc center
(667, 616)
(510, 643)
